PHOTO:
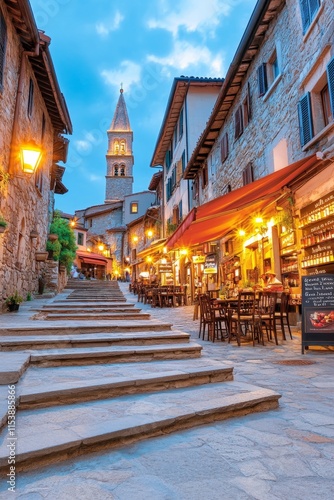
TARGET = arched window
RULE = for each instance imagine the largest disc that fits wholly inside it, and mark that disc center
(122, 146)
(122, 171)
(116, 170)
(116, 147)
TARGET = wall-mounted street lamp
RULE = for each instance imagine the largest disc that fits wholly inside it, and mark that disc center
(30, 157)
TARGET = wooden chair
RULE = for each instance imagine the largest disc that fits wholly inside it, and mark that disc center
(266, 309)
(283, 314)
(246, 319)
(209, 319)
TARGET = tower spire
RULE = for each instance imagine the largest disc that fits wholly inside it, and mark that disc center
(120, 121)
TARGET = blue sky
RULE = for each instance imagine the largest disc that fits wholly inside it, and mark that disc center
(144, 44)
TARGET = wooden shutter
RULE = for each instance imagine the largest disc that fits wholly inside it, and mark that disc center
(247, 174)
(262, 79)
(224, 148)
(249, 102)
(3, 40)
(238, 125)
(330, 79)
(305, 119)
(181, 124)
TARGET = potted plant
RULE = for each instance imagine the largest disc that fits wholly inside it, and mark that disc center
(13, 301)
(41, 256)
(3, 224)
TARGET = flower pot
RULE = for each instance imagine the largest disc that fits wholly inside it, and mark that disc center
(52, 237)
(13, 307)
(41, 256)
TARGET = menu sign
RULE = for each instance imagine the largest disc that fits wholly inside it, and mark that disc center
(317, 310)
(210, 264)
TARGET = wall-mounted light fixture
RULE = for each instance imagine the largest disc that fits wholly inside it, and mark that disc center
(31, 155)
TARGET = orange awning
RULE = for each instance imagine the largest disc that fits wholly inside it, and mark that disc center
(221, 215)
(92, 258)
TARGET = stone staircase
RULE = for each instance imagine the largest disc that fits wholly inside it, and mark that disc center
(102, 374)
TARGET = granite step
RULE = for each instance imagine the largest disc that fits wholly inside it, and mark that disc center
(77, 391)
(15, 343)
(96, 304)
(73, 430)
(86, 316)
(40, 328)
(114, 354)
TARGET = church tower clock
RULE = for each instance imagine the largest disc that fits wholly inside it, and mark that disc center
(119, 178)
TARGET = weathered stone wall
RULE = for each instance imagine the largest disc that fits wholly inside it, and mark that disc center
(118, 187)
(24, 206)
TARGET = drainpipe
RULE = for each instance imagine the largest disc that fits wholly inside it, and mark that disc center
(25, 55)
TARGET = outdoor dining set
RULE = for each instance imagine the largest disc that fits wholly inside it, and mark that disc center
(250, 315)
(160, 296)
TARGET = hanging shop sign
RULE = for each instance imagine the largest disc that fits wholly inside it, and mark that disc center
(198, 259)
(210, 264)
(318, 310)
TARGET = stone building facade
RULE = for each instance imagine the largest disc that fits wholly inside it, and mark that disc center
(260, 132)
(31, 114)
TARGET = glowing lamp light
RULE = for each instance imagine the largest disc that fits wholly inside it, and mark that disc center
(258, 220)
(135, 239)
(101, 247)
(183, 251)
(241, 233)
(150, 233)
(30, 157)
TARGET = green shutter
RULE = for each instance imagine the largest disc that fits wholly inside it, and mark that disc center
(305, 119)
(330, 79)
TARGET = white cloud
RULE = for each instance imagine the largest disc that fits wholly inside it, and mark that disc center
(185, 55)
(104, 29)
(128, 73)
(192, 15)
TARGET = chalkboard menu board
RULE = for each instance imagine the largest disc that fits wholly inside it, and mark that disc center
(317, 310)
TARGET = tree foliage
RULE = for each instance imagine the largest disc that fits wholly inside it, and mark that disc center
(64, 249)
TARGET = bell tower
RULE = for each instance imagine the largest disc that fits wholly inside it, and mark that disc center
(119, 178)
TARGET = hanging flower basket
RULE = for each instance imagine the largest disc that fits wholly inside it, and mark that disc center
(52, 237)
(41, 256)
(33, 234)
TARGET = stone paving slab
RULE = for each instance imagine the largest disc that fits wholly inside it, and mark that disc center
(107, 387)
(128, 418)
(11, 343)
(12, 365)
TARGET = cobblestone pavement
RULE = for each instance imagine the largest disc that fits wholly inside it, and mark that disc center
(283, 454)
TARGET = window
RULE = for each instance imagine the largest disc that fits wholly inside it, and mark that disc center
(224, 148)
(308, 8)
(43, 126)
(122, 171)
(183, 160)
(262, 79)
(3, 42)
(247, 174)
(134, 207)
(30, 97)
(268, 72)
(80, 239)
(316, 106)
(116, 171)
(181, 124)
(238, 123)
(122, 147)
(247, 107)
(168, 159)
(116, 147)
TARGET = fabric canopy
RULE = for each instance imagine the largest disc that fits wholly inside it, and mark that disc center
(216, 218)
(92, 258)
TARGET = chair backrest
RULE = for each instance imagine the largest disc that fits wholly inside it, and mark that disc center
(285, 297)
(205, 306)
(246, 303)
(267, 302)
